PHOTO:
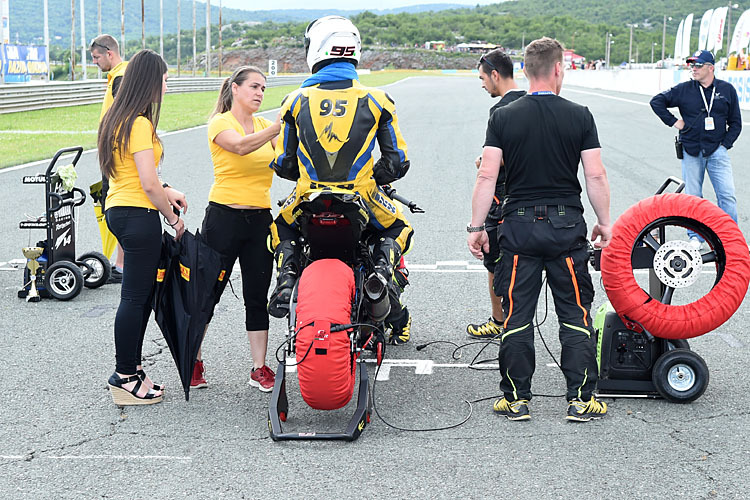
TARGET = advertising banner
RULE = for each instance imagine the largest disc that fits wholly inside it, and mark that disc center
(686, 29)
(678, 41)
(716, 30)
(23, 61)
(741, 35)
(703, 33)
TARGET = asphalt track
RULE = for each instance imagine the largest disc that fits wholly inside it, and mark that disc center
(63, 438)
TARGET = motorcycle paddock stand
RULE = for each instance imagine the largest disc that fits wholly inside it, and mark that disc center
(278, 411)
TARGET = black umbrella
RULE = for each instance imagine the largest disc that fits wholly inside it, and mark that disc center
(185, 296)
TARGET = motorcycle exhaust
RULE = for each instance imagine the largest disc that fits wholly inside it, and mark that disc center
(376, 291)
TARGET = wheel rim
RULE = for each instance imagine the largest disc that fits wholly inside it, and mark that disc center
(681, 377)
(62, 281)
(97, 269)
(675, 263)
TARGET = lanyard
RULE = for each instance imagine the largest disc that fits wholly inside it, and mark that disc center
(708, 106)
(549, 92)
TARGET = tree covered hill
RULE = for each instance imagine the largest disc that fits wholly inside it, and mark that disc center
(580, 25)
(26, 17)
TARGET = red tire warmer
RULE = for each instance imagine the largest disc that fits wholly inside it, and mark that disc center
(678, 321)
(326, 368)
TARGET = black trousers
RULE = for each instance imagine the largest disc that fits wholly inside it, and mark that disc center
(243, 233)
(139, 232)
(552, 239)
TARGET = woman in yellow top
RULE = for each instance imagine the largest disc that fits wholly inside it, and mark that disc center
(129, 152)
(238, 217)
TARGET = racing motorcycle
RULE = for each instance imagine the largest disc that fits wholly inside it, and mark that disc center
(336, 312)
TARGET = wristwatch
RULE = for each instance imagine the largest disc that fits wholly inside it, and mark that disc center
(474, 229)
(165, 185)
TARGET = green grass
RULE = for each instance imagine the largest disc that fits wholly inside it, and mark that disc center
(179, 111)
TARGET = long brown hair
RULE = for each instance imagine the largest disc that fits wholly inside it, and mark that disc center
(224, 103)
(139, 95)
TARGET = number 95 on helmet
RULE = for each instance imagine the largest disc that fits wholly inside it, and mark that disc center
(329, 38)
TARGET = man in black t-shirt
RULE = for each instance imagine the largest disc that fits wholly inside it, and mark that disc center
(496, 73)
(542, 138)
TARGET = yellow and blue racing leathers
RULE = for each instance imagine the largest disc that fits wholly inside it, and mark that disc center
(327, 139)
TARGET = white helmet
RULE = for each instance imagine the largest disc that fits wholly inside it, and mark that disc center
(332, 37)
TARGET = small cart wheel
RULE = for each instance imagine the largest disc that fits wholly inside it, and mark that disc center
(63, 280)
(680, 376)
(98, 267)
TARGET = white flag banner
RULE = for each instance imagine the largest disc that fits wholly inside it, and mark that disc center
(686, 29)
(4, 21)
(678, 40)
(741, 35)
(703, 34)
(716, 31)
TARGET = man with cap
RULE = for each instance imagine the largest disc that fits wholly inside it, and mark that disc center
(709, 125)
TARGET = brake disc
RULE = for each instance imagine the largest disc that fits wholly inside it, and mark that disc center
(677, 264)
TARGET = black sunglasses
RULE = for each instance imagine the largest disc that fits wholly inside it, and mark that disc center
(94, 43)
(488, 63)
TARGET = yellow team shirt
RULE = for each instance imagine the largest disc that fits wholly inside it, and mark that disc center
(238, 179)
(125, 188)
(118, 70)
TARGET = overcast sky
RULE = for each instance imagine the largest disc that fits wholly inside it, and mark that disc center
(338, 4)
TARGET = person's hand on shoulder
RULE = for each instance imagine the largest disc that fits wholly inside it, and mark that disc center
(603, 233)
(477, 242)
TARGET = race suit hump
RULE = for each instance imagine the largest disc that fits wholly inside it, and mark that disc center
(329, 132)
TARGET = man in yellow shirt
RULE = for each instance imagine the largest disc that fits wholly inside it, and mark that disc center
(105, 52)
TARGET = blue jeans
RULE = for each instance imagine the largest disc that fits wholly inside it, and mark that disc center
(719, 170)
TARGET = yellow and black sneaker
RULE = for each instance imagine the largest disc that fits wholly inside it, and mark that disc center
(488, 330)
(583, 411)
(401, 335)
(512, 410)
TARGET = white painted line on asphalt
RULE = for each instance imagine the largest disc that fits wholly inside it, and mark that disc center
(384, 373)
(729, 339)
(640, 103)
(12, 457)
(421, 366)
(483, 270)
(116, 457)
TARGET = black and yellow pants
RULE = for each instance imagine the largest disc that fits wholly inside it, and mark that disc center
(553, 239)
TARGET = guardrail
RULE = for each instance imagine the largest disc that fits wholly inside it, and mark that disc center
(31, 96)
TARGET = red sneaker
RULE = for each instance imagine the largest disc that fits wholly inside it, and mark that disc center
(263, 378)
(198, 380)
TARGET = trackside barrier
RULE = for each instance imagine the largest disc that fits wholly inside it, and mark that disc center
(31, 96)
(652, 81)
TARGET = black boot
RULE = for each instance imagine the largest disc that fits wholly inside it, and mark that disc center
(286, 257)
(386, 255)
